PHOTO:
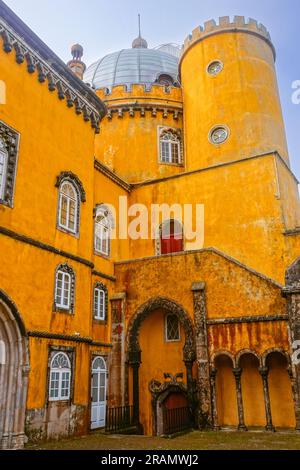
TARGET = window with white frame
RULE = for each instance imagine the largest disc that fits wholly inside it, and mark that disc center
(64, 288)
(60, 377)
(3, 167)
(102, 231)
(68, 207)
(100, 302)
(172, 328)
(170, 147)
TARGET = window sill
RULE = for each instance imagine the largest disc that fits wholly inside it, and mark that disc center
(102, 255)
(99, 322)
(68, 232)
(59, 400)
(63, 310)
(180, 165)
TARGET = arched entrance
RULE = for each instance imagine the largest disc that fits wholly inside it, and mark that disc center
(172, 409)
(14, 369)
(134, 353)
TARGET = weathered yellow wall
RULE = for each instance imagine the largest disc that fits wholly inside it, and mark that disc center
(252, 391)
(288, 195)
(232, 291)
(52, 139)
(129, 145)
(281, 399)
(226, 392)
(257, 337)
(108, 192)
(158, 357)
(244, 96)
(57, 141)
(242, 215)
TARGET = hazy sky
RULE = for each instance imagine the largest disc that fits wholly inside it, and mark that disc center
(107, 26)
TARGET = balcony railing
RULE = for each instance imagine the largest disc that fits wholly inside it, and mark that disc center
(119, 418)
(177, 420)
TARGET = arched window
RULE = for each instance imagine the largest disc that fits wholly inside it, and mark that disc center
(68, 207)
(170, 146)
(172, 328)
(103, 225)
(3, 168)
(71, 194)
(100, 302)
(64, 288)
(170, 237)
(60, 377)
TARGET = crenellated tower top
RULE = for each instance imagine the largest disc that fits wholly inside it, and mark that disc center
(239, 24)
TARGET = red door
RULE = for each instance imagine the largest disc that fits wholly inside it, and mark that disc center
(172, 239)
(175, 400)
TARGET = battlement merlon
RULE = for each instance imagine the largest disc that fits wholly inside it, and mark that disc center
(239, 24)
(140, 91)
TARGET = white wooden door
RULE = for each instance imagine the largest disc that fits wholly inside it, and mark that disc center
(98, 389)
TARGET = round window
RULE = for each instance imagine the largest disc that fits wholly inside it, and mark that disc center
(215, 67)
(219, 134)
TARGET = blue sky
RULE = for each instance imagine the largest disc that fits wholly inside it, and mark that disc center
(103, 26)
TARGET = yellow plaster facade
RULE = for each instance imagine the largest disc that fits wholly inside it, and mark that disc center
(230, 357)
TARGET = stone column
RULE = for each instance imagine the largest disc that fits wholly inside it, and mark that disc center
(237, 372)
(264, 372)
(291, 292)
(213, 375)
(117, 359)
(134, 360)
(189, 379)
(205, 412)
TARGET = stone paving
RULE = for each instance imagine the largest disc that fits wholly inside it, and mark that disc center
(195, 440)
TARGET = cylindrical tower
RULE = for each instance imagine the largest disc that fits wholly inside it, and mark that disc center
(137, 118)
(230, 94)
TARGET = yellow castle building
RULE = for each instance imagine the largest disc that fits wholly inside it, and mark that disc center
(147, 333)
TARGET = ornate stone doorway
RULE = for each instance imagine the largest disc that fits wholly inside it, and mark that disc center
(172, 409)
(14, 368)
(134, 353)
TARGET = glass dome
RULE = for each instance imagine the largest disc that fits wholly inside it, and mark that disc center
(132, 66)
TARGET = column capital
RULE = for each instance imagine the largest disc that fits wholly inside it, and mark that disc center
(198, 286)
(289, 290)
(264, 371)
(237, 372)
